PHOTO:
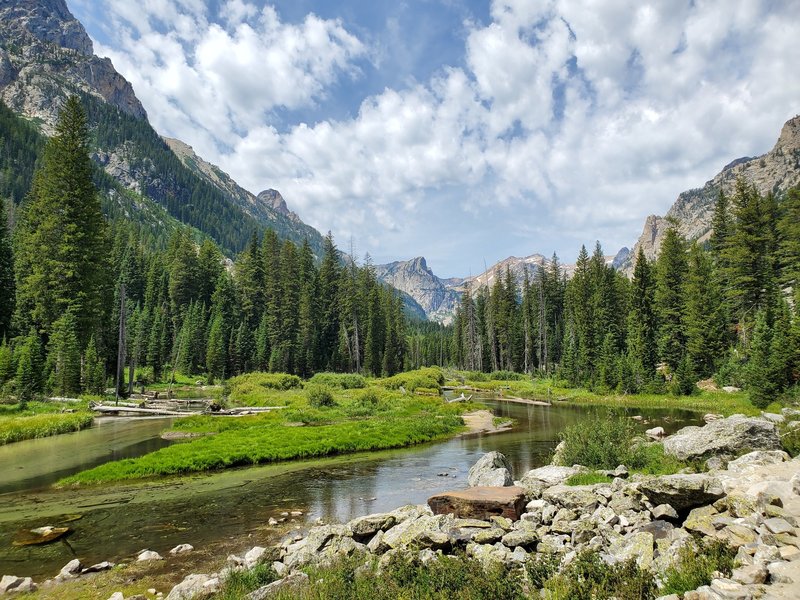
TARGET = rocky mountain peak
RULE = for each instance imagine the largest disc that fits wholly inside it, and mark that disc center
(46, 56)
(693, 210)
(416, 279)
(48, 21)
(274, 200)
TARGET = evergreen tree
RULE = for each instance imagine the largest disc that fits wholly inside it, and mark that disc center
(789, 245)
(642, 347)
(60, 237)
(705, 322)
(670, 299)
(29, 369)
(94, 371)
(64, 357)
(758, 376)
(216, 349)
(7, 286)
(7, 368)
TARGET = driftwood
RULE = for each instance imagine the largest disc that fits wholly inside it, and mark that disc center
(102, 408)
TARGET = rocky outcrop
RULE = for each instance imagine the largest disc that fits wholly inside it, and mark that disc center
(723, 438)
(416, 279)
(46, 55)
(681, 492)
(492, 469)
(776, 171)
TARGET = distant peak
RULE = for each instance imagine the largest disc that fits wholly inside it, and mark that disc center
(419, 262)
(274, 200)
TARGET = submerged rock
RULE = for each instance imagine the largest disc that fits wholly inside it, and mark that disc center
(481, 502)
(492, 469)
(181, 549)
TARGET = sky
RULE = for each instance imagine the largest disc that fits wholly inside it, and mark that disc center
(459, 130)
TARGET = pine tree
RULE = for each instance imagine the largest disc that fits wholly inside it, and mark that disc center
(642, 347)
(789, 245)
(670, 300)
(60, 236)
(216, 349)
(758, 373)
(7, 286)
(94, 372)
(705, 322)
(64, 357)
(7, 369)
(29, 369)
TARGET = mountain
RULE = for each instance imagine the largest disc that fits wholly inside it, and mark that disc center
(776, 171)
(46, 56)
(415, 278)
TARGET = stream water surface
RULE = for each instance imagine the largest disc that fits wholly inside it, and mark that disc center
(218, 509)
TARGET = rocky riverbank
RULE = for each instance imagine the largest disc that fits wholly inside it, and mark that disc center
(748, 500)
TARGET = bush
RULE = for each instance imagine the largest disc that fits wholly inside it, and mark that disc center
(790, 440)
(239, 584)
(589, 478)
(476, 376)
(251, 389)
(319, 395)
(589, 577)
(507, 376)
(696, 565)
(341, 381)
(429, 378)
(602, 442)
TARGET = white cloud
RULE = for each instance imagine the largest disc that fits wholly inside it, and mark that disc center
(581, 115)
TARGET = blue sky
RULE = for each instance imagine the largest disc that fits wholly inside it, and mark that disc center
(462, 131)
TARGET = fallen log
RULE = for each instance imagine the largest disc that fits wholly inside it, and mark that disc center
(101, 408)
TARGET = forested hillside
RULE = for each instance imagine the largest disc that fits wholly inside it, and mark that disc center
(273, 310)
(727, 309)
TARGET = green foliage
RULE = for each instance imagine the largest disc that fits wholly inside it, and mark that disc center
(262, 440)
(790, 440)
(341, 381)
(7, 285)
(762, 386)
(603, 442)
(696, 566)
(507, 376)
(684, 379)
(249, 389)
(59, 240)
(589, 577)
(428, 377)
(29, 369)
(42, 425)
(589, 478)
(238, 584)
(319, 395)
(540, 567)
(64, 357)
(670, 298)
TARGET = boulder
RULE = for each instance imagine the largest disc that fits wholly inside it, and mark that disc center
(71, 570)
(655, 432)
(681, 491)
(727, 437)
(10, 584)
(480, 502)
(776, 525)
(493, 470)
(638, 546)
(253, 556)
(523, 535)
(664, 512)
(96, 568)
(426, 531)
(369, 525)
(181, 549)
(552, 475)
(701, 520)
(758, 458)
(287, 585)
(145, 555)
(574, 497)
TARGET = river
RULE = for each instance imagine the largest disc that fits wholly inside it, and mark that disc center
(206, 510)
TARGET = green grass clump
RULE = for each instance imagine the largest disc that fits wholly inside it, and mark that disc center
(15, 429)
(238, 584)
(264, 440)
(696, 565)
(249, 389)
(589, 577)
(444, 578)
(430, 378)
(341, 381)
(319, 395)
(590, 478)
(507, 376)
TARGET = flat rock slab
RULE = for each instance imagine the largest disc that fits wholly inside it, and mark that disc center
(481, 502)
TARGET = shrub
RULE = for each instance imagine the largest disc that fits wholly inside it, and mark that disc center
(588, 478)
(239, 584)
(589, 577)
(696, 565)
(476, 376)
(790, 440)
(602, 442)
(319, 395)
(428, 377)
(507, 376)
(541, 567)
(251, 389)
(342, 381)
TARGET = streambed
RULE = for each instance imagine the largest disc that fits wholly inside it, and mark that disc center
(227, 507)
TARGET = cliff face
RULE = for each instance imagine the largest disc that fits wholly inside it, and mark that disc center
(46, 55)
(776, 171)
(417, 280)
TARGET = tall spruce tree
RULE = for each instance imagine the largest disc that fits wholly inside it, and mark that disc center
(7, 286)
(642, 329)
(670, 298)
(60, 236)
